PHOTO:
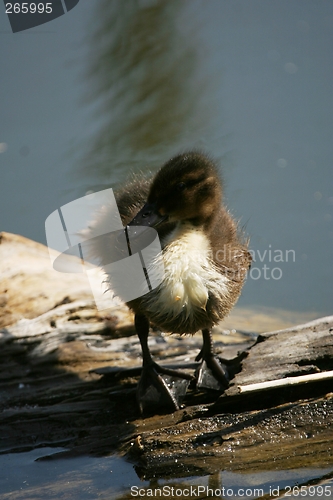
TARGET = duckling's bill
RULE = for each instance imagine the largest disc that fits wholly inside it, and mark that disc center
(148, 216)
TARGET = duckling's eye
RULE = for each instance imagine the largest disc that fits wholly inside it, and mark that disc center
(181, 186)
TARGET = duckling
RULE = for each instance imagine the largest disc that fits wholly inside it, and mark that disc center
(205, 264)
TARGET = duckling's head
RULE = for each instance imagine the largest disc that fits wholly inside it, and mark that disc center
(186, 188)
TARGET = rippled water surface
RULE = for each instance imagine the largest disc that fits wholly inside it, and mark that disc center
(26, 477)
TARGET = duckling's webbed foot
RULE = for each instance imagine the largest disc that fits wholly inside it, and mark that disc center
(158, 386)
(212, 373)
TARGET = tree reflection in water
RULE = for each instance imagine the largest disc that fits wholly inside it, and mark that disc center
(144, 85)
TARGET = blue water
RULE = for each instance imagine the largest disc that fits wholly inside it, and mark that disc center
(85, 478)
(248, 82)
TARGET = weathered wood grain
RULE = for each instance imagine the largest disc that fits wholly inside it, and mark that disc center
(68, 376)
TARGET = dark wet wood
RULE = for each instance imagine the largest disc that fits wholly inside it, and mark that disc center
(64, 382)
(290, 436)
(68, 378)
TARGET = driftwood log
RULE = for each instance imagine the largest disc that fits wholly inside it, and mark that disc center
(68, 375)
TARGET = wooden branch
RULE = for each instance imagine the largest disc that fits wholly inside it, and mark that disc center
(271, 384)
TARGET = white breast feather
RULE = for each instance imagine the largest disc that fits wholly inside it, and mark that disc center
(190, 275)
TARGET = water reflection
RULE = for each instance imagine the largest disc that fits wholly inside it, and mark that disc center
(143, 85)
(27, 476)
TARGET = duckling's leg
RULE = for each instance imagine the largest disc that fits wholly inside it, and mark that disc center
(153, 388)
(211, 374)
